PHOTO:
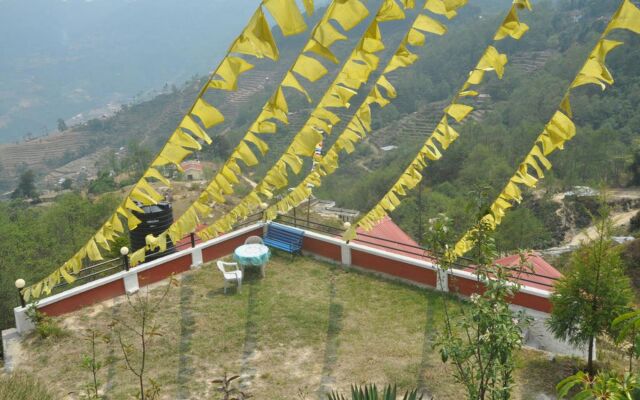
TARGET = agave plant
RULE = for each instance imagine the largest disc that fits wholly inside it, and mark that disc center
(370, 392)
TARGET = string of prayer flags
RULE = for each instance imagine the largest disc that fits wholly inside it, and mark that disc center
(559, 129)
(255, 40)
(443, 134)
(276, 109)
(355, 71)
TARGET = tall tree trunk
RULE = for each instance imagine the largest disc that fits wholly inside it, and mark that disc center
(590, 356)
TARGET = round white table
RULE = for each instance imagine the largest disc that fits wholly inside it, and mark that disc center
(252, 254)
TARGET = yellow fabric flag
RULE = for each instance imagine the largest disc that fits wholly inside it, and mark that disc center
(415, 37)
(92, 251)
(444, 7)
(384, 82)
(458, 111)
(256, 39)
(246, 154)
(511, 26)
(492, 60)
(401, 59)
(326, 115)
(308, 6)
(144, 185)
(154, 173)
(326, 34)
(229, 70)
(263, 127)
(627, 17)
(208, 114)
(309, 68)
(287, 16)
(390, 11)
(428, 24)
(348, 13)
(189, 124)
(372, 39)
(171, 154)
(316, 47)
(137, 257)
(66, 275)
(260, 144)
(291, 81)
(181, 138)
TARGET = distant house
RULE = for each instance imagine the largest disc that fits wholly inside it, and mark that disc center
(193, 170)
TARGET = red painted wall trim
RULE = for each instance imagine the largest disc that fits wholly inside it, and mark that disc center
(84, 299)
(464, 286)
(322, 248)
(163, 271)
(532, 301)
(394, 267)
(227, 247)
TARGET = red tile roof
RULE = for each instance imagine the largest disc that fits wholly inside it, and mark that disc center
(537, 273)
(384, 234)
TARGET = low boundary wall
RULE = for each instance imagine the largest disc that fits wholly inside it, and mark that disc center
(324, 246)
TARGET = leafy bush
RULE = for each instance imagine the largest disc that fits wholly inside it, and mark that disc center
(46, 327)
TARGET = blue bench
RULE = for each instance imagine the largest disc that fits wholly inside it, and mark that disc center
(283, 237)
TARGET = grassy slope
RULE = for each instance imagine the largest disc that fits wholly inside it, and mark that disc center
(305, 326)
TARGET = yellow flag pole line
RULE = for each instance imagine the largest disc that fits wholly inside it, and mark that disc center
(353, 74)
(348, 14)
(255, 40)
(560, 127)
(444, 134)
(360, 124)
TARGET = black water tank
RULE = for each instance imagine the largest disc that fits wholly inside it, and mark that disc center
(155, 220)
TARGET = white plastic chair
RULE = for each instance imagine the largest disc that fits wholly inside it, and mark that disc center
(253, 240)
(230, 275)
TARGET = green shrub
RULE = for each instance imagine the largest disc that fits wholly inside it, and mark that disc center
(46, 327)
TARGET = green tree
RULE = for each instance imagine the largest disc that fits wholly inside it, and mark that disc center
(521, 229)
(593, 292)
(480, 344)
(62, 126)
(26, 186)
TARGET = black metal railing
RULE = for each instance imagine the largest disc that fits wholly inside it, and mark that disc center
(114, 265)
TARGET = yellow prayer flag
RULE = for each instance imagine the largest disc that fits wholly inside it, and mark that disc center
(402, 58)
(189, 124)
(308, 6)
(415, 37)
(327, 35)
(291, 81)
(390, 11)
(92, 251)
(171, 153)
(428, 24)
(627, 17)
(316, 47)
(256, 39)
(208, 114)
(310, 68)
(372, 39)
(287, 16)
(246, 154)
(511, 26)
(229, 70)
(458, 111)
(137, 257)
(154, 173)
(347, 13)
(384, 82)
(181, 138)
(260, 144)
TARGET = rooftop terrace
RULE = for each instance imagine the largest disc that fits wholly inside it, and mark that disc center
(307, 327)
